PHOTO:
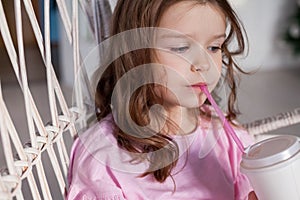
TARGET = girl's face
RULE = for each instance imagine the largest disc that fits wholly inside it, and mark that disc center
(189, 49)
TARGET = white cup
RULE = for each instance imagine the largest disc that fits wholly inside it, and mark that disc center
(273, 168)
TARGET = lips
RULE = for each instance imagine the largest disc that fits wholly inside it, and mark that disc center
(198, 85)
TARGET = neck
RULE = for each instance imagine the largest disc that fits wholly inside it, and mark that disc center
(185, 118)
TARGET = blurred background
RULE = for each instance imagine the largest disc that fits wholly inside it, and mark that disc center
(273, 28)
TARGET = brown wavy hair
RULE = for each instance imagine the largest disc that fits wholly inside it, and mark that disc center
(138, 137)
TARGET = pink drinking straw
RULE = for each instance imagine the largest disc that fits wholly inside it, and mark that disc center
(228, 128)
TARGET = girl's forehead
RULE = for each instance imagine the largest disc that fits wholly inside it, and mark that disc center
(191, 18)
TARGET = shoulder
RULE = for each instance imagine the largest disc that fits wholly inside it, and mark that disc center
(97, 132)
(89, 174)
(87, 153)
(95, 155)
(91, 144)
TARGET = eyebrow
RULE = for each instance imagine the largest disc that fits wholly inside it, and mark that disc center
(219, 36)
(174, 35)
(171, 35)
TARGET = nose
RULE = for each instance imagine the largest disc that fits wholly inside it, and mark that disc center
(195, 67)
(200, 60)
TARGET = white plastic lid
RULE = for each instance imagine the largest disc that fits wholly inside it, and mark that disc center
(271, 151)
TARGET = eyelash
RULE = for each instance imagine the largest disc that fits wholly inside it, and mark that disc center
(182, 49)
(214, 49)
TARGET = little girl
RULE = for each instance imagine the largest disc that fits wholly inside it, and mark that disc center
(157, 136)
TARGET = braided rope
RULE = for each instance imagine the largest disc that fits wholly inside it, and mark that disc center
(29, 156)
(11, 182)
(46, 136)
(259, 127)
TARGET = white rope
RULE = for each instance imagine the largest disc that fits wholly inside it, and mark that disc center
(50, 79)
(77, 61)
(12, 132)
(8, 41)
(52, 100)
(25, 87)
(23, 72)
(27, 164)
(65, 18)
(5, 139)
(259, 127)
(38, 36)
(46, 136)
(23, 165)
(34, 24)
(8, 189)
(43, 180)
(8, 152)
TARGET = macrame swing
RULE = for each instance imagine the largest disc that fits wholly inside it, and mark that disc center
(25, 163)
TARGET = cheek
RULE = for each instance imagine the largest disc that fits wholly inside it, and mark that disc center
(218, 61)
(171, 60)
(220, 64)
(166, 94)
(213, 75)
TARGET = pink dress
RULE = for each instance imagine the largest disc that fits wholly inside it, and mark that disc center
(208, 168)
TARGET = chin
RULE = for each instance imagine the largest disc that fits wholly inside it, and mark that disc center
(194, 104)
(202, 98)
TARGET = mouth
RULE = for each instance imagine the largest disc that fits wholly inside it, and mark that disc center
(198, 85)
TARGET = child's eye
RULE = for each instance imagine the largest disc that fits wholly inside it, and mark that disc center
(182, 49)
(214, 49)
